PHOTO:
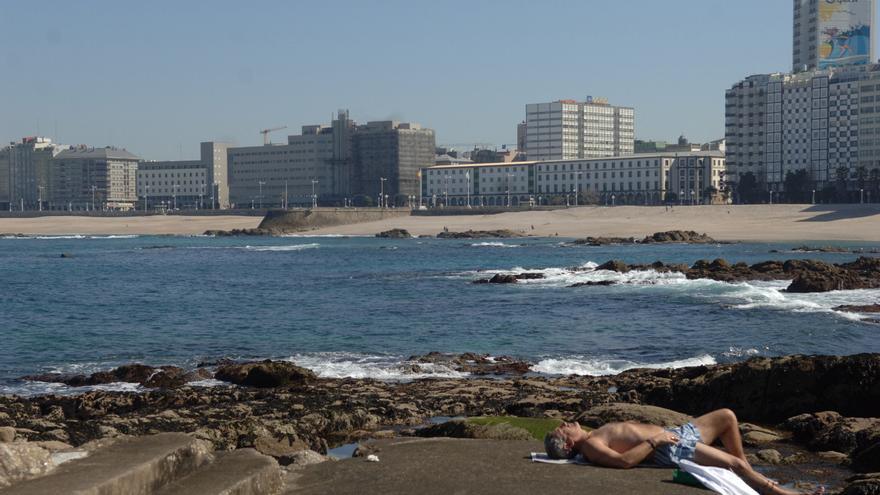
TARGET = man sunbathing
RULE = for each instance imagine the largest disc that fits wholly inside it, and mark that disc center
(625, 445)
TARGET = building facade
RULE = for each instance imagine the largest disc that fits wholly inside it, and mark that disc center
(568, 129)
(832, 33)
(647, 179)
(94, 179)
(334, 164)
(29, 171)
(192, 184)
(4, 179)
(823, 122)
(280, 175)
(387, 157)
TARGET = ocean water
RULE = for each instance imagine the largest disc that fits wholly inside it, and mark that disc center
(359, 307)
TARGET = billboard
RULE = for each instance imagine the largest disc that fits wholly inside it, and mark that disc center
(845, 32)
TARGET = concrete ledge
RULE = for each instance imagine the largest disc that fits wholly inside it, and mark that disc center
(444, 466)
(137, 466)
(241, 472)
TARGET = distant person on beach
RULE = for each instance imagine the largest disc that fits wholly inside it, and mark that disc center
(626, 445)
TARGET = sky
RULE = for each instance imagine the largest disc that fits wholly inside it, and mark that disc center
(159, 77)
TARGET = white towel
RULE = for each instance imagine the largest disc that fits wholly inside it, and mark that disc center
(542, 457)
(719, 480)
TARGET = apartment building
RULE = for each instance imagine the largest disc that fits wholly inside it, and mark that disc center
(569, 129)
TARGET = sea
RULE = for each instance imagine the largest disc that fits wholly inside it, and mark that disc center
(361, 306)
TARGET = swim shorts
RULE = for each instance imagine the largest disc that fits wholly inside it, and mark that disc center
(671, 455)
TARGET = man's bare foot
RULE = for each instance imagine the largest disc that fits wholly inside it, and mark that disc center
(774, 488)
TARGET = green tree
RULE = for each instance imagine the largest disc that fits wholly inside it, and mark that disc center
(842, 178)
(798, 186)
(748, 189)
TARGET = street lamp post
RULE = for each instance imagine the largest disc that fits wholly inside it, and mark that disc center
(771, 196)
(94, 188)
(612, 200)
(286, 195)
(681, 197)
(446, 190)
(814, 197)
(382, 191)
(40, 199)
(146, 196)
(468, 175)
(314, 195)
(174, 196)
(509, 175)
(861, 196)
(577, 177)
(692, 198)
(261, 193)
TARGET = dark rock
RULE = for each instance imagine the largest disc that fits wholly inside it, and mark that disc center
(866, 484)
(818, 276)
(265, 374)
(614, 266)
(148, 376)
(465, 429)
(871, 308)
(600, 415)
(66, 255)
(604, 241)
(765, 390)
(509, 278)
(600, 283)
(395, 234)
(679, 236)
(476, 364)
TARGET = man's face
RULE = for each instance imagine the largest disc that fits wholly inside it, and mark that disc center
(569, 432)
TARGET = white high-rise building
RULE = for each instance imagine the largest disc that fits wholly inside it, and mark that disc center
(568, 129)
(832, 33)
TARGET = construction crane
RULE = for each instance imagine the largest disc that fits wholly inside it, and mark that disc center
(265, 133)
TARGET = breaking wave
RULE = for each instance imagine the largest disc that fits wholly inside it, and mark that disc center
(494, 245)
(603, 367)
(387, 368)
(295, 247)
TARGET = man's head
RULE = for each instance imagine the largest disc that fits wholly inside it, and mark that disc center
(560, 442)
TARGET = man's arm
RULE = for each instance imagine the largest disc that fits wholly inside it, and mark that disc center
(601, 454)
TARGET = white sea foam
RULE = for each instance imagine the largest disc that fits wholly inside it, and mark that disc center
(602, 367)
(29, 389)
(386, 368)
(740, 295)
(295, 247)
(69, 237)
(494, 244)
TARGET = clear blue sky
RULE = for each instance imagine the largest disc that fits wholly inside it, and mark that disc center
(158, 77)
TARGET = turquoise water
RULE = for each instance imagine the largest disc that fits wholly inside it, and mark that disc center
(361, 306)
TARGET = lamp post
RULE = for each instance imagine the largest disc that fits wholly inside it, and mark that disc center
(771, 196)
(286, 195)
(681, 197)
(814, 197)
(468, 176)
(577, 177)
(94, 188)
(146, 196)
(314, 195)
(692, 198)
(861, 196)
(214, 186)
(446, 190)
(174, 197)
(260, 183)
(509, 175)
(382, 191)
(612, 200)
(40, 199)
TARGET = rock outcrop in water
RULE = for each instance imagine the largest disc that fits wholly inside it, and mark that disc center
(395, 234)
(672, 236)
(147, 376)
(806, 275)
(265, 374)
(480, 234)
(502, 278)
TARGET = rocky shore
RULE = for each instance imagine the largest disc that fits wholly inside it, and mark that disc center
(672, 236)
(809, 407)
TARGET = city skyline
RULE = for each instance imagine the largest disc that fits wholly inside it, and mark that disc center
(166, 83)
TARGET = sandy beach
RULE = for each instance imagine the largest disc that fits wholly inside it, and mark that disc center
(150, 225)
(728, 223)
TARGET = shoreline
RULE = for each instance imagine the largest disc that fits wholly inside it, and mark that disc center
(735, 223)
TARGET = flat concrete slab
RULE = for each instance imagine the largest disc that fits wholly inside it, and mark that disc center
(240, 472)
(136, 466)
(456, 466)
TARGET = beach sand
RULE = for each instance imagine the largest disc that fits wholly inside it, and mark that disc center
(149, 225)
(727, 223)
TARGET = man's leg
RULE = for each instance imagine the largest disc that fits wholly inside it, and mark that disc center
(721, 424)
(706, 455)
